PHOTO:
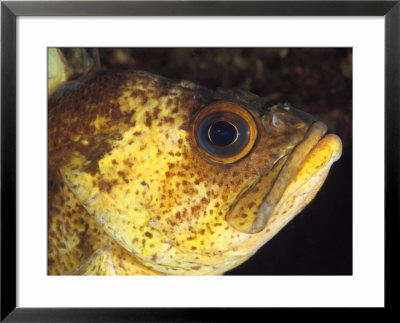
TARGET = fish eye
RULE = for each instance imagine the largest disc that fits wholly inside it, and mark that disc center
(224, 131)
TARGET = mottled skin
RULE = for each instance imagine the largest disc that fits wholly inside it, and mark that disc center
(131, 193)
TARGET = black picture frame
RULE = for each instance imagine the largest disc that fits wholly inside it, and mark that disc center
(10, 10)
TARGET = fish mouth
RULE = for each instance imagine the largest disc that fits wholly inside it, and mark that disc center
(303, 171)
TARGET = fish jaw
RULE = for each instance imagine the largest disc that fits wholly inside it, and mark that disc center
(307, 182)
(293, 182)
(309, 178)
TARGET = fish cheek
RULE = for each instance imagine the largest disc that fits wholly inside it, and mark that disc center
(124, 194)
(244, 212)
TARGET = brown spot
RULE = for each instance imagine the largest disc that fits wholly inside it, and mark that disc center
(128, 163)
(156, 112)
(137, 133)
(148, 234)
(209, 228)
(168, 119)
(84, 244)
(195, 209)
(123, 175)
(204, 200)
(97, 148)
(148, 120)
(105, 186)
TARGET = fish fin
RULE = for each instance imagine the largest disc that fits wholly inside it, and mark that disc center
(99, 264)
(81, 61)
(113, 260)
(58, 70)
(69, 63)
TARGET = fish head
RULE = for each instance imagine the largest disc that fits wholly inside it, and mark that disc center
(188, 180)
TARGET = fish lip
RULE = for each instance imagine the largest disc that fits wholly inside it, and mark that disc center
(313, 136)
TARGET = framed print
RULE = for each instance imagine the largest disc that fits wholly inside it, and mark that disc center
(156, 155)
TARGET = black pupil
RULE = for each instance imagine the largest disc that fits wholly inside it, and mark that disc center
(222, 133)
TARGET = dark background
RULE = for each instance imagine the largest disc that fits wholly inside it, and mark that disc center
(318, 241)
